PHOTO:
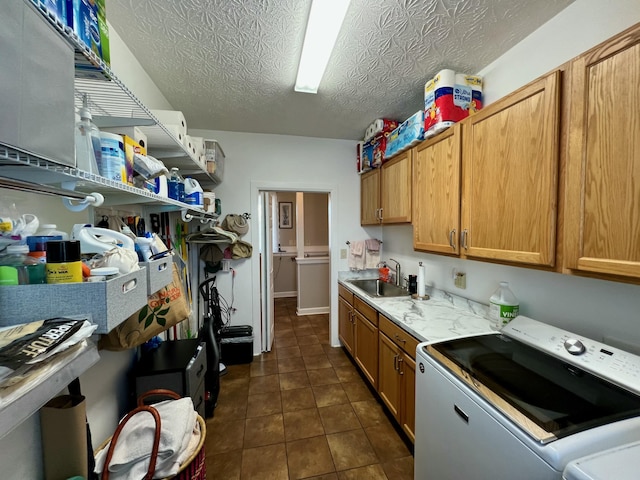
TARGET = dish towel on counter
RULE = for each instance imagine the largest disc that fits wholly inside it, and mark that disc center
(357, 255)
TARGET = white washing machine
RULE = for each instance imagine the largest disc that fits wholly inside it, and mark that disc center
(620, 463)
(521, 403)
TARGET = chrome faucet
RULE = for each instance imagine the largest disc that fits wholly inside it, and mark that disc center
(398, 272)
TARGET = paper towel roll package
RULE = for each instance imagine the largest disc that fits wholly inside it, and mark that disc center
(409, 133)
(173, 121)
(172, 117)
(448, 98)
(190, 145)
(158, 139)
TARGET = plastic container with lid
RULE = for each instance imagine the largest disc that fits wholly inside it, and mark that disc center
(63, 262)
(29, 270)
(103, 274)
(112, 162)
(85, 153)
(51, 230)
(193, 194)
(503, 306)
(175, 185)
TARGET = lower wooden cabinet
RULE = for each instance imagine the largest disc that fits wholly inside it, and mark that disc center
(366, 347)
(346, 325)
(408, 405)
(388, 377)
(397, 373)
(384, 353)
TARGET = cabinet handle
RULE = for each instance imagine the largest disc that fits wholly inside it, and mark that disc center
(400, 360)
(380, 216)
(463, 240)
(400, 339)
(395, 362)
(451, 237)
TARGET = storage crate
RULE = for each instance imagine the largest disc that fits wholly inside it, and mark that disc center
(109, 303)
(159, 273)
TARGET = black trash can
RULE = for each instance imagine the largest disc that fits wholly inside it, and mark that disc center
(236, 344)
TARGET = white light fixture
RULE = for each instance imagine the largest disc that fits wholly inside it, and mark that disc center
(325, 20)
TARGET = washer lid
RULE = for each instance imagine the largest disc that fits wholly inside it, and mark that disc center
(545, 396)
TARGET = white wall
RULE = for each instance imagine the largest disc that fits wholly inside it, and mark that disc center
(279, 163)
(598, 309)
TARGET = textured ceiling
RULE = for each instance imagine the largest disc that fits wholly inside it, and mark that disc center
(231, 64)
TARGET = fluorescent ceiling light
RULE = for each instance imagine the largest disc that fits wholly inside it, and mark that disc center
(325, 20)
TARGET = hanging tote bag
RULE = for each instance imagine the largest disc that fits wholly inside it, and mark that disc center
(164, 309)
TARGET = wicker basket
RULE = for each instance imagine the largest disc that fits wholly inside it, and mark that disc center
(193, 468)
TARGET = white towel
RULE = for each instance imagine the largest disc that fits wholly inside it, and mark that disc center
(130, 459)
(372, 244)
(356, 255)
(372, 259)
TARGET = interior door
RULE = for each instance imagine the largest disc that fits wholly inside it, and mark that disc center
(266, 270)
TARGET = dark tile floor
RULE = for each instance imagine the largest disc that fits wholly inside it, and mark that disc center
(302, 411)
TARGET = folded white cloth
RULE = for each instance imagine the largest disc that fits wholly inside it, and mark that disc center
(191, 444)
(356, 255)
(131, 456)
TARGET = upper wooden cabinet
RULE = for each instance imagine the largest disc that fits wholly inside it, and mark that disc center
(395, 189)
(436, 193)
(370, 197)
(385, 192)
(602, 224)
(510, 160)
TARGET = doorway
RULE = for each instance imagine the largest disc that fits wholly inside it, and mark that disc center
(294, 253)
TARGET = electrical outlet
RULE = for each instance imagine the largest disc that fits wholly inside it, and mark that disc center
(460, 280)
(343, 253)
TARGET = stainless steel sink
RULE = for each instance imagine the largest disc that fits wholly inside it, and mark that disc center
(376, 288)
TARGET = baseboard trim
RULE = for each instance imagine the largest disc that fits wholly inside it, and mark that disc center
(285, 294)
(312, 311)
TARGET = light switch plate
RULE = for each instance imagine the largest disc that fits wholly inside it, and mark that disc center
(460, 280)
(343, 253)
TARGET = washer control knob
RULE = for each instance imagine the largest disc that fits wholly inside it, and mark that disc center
(574, 346)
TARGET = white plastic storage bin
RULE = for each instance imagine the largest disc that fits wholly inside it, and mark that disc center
(109, 303)
(159, 273)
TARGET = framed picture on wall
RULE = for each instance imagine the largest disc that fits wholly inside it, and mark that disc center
(285, 212)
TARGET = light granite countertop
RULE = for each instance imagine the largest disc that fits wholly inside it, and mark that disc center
(443, 316)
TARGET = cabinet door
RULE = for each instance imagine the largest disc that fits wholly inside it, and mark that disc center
(345, 324)
(370, 197)
(408, 406)
(510, 169)
(603, 164)
(388, 378)
(395, 189)
(436, 193)
(366, 347)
